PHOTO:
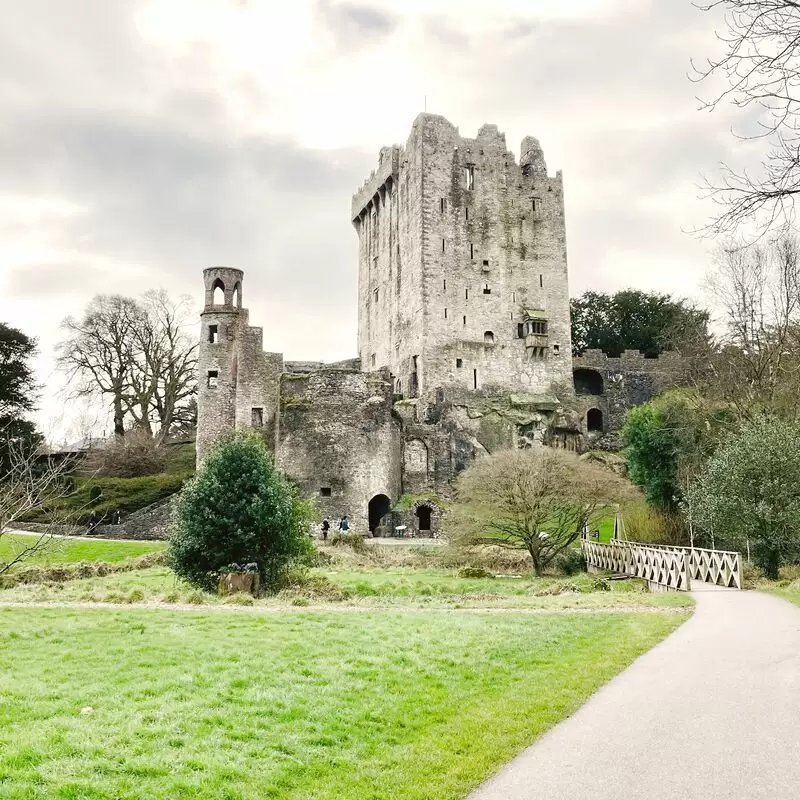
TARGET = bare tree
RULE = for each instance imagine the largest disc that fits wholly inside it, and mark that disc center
(99, 353)
(139, 355)
(756, 363)
(32, 482)
(539, 500)
(760, 70)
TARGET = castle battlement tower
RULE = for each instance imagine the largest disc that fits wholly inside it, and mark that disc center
(463, 264)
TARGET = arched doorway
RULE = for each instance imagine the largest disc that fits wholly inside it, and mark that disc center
(424, 519)
(378, 508)
(587, 381)
(594, 420)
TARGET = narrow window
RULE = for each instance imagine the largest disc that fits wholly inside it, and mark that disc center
(375, 263)
(485, 262)
(445, 313)
(474, 379)
(444, 284)
(372, 359)
(375, 295)
(541, 282)
(488, 337)
(535, 204)
(443, 245)
(471, 250)
(441, 205)
(520, 331)
(257, 418)
(325, 491)
(213, 333)
(513, 297)
(466, 213)
(465, 320)
(218, 287)
(459, 363)
(466, 294)
(556, 349)
(213, 379)
(470, 176)
(486, 289)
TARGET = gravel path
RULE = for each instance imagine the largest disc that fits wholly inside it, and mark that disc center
(712, 713)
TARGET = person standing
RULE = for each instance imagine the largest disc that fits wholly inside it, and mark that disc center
(326, 526)
(344, 525)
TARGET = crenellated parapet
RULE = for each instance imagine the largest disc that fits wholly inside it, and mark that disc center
(629, 361)
(374, 188)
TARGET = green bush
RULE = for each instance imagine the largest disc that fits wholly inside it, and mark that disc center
(238, 510)
(569, 562)
(474, 572)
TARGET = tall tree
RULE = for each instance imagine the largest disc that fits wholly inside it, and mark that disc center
(99, 353)
(634, 320)
(139, 356)
(17, 394)
(759, 70)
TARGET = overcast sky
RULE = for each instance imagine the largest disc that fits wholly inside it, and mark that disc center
(143, 140)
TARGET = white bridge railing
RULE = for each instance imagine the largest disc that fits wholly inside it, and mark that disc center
(665, 567)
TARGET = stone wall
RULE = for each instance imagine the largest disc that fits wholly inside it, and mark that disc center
(624, 382)
(339, 440)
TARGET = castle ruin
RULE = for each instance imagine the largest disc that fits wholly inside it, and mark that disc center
(463, 336)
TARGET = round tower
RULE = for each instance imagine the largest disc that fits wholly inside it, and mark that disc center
(218, 354)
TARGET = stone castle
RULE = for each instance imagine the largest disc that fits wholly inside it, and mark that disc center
(463, 338)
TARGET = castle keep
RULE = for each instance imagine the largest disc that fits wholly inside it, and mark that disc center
(463, 337)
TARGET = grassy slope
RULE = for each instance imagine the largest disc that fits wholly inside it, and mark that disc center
(790, 592)
(367, 706)
(66, 551)
(404, 588)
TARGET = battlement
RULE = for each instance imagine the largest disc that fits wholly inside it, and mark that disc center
(629, 361)
(387, 169)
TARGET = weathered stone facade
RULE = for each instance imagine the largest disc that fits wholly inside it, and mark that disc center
(605, 388)
(463, 337)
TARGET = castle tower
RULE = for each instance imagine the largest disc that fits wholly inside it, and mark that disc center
(463, 264)
(222, 321)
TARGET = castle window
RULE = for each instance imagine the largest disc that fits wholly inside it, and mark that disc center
(536, 204)
(218, 287)
(213, 333)
(212, 380)
(325, 491)
(444, 285)
(471, 250)
(372, 359)
(513, 297)
(459, 363)
(486, 289)
(485, 262)
(488, 337)
(465, 320)
(474, 379)
(445, 313)
(540, 327)
(443, 243)
(469, 174)
(442, 205)
(237, 295)
(257, 418)
(520, 331)
(556, 349)
(541, 282)
(466, 213)
(375, 295)
(466, 294)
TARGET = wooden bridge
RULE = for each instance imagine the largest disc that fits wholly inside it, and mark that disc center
(665, 568)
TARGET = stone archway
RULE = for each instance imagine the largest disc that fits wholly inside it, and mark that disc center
(587, 381)
(378, 508)
(423, 514)
(594, 420)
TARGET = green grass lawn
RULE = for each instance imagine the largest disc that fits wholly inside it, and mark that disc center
(790, 592)
(296, 706)
(66, 551)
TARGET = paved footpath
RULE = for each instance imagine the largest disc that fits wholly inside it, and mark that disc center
(712, 713)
